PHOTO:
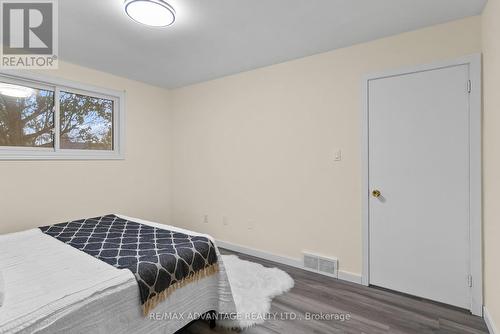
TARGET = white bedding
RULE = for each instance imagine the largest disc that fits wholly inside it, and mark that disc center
(1, 289)
(51, 287)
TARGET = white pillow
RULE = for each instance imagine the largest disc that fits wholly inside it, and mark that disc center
(2, 289)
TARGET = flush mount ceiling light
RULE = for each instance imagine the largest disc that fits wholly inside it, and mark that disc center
(15, 91)
(155, 13)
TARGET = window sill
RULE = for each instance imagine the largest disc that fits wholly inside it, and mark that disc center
(61, 155)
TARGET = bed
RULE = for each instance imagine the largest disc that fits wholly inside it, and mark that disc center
(51, 287)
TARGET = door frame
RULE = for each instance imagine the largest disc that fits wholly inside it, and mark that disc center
(475, 180)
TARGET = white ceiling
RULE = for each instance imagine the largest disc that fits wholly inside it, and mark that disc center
(214, 38)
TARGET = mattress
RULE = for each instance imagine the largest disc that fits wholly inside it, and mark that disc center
(51, 287)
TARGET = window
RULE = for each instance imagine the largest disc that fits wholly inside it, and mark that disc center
(26, 116)
(86, 122)
(47, 119)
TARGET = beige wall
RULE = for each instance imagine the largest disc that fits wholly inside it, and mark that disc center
(33, 193)
(491, 156)
(258, 147)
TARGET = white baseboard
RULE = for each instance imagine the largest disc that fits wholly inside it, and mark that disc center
(489, 321)
(296, 263)
(258, 253)
(350, 277)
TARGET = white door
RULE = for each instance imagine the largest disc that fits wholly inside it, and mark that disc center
(418, 132)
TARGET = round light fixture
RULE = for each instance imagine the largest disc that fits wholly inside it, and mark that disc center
(15, 91)
(155, 13)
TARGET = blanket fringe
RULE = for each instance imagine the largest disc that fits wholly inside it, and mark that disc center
(151, 303)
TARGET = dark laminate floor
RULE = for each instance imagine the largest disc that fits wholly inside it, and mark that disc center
(372, 310)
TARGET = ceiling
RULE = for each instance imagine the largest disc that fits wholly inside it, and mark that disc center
(215, 38)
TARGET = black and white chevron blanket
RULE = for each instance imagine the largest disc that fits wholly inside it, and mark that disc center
(161, 260)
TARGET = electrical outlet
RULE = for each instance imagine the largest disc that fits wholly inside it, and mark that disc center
(205, 219)
(337, 155)
(250, 225)
(225, 222)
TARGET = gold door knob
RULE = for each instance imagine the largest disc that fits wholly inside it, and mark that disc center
(376, 193)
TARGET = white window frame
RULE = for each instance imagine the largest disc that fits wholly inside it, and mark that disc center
(57, 153)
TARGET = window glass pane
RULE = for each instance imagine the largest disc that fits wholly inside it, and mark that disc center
(86, 122)
(26, 116)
